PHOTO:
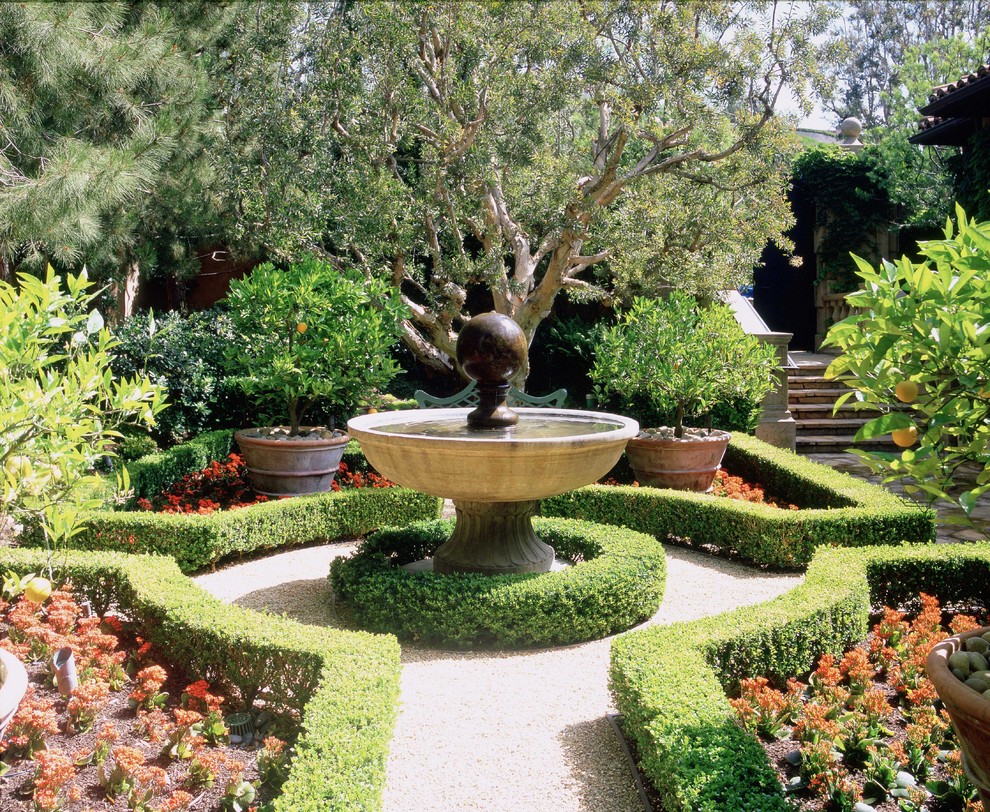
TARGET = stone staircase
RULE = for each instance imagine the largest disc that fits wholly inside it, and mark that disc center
(811, 399)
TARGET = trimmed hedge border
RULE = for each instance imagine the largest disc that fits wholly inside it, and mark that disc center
(344, 686)
(196, 541)
(617, 580)
(843, 511)
(670, 683)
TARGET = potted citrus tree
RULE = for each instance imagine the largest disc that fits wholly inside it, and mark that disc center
(308, 334)
(679, 359)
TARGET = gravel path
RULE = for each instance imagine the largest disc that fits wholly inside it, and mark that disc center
(501, 731)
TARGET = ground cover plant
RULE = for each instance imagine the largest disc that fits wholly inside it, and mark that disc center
(729, 486)
(865, 728)
(132, 734)
(224, 485)
(341, 688)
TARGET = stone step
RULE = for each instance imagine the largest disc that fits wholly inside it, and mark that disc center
(807, 427)
(820, 443)
(813, 411)
(812, 382)
(816, 395)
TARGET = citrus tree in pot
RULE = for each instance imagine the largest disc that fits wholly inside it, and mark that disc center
(307, 334)
(682, 359)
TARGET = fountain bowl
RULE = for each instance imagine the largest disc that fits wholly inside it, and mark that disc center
(550, 451)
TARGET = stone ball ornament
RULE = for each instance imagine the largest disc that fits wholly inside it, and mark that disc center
(491, 349)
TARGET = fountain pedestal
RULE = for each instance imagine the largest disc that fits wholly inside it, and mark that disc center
(494, 538)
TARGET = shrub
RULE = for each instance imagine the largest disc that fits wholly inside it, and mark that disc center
(681, 359)
(670, 682)
(837, 510)
(184, 355)
(310, 334)
(617, 580)
(342, 686)
(59, 404)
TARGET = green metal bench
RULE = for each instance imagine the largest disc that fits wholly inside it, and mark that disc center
(468, 396)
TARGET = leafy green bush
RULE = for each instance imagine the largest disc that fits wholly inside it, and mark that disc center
(617, 580)
(310, 334)
(342, 686)
(921, 342)
(60, 406)
(837, 510)
(184, 355)
(676, 357)
(670, 682)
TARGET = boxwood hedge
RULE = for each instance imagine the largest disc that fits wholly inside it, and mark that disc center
(837, 510)
(197, 541)
(670, 683)
(342, 686)
(617, 580)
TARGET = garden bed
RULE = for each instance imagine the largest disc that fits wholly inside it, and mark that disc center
(836, 510)
(671, 683)
(866, 728)
(198, 541)
(154, 739)
(339, 688)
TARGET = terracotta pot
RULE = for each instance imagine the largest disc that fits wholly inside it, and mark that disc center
(684, 463)
(968, 709)
(291, 467)
(13, 684)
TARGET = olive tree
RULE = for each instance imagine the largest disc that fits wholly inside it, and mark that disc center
(529, 149)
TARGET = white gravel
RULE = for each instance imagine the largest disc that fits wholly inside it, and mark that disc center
(501, 731)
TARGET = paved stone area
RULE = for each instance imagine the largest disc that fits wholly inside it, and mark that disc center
(947, 533)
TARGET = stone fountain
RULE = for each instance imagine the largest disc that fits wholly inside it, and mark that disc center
(493, 462)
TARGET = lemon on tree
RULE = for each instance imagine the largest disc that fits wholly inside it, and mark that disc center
(906, 437)
(906, 391)
(38, 589)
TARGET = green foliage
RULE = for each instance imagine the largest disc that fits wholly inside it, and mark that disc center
(851, 203)
(108, 116)
(837, 510)
(617, 581)
(926, 322)
(971, 173)
(517, 147)
(341, 686)
(59, 403)
(184, 354)
(681, 358)
(669, 682)
(310, 333)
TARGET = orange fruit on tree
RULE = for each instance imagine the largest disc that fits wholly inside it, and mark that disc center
(38, 589)
(302, 327)
(905, 438)
(906, 391)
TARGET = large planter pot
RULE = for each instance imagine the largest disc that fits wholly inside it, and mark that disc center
(968, 709)
(685, 463)
(283, 466)
(13, 684)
